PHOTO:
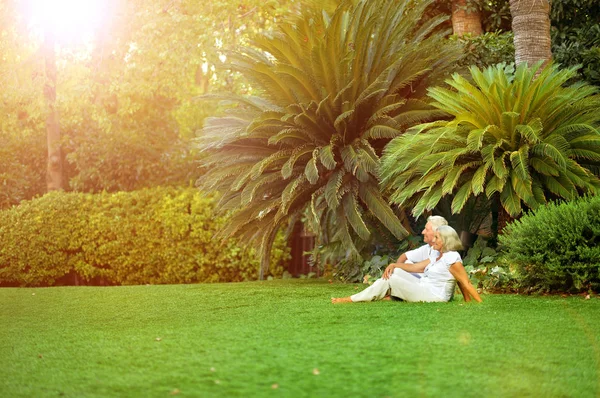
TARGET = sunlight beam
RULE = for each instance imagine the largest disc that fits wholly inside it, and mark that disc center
(68, 20)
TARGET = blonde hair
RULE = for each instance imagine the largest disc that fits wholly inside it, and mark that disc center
(450, 238)
(436, 221)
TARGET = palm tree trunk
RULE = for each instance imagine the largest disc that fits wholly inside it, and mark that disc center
(531, 28)
(465, 22)
(54, 175)
(503, 219)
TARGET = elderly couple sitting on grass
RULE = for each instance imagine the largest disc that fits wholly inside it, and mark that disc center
(428, 274)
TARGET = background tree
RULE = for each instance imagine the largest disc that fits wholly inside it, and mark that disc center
(531, 29)
(574, 30)
(125, 98)
(466, 18)
(54, 174)
(23, 153)
(145, 115)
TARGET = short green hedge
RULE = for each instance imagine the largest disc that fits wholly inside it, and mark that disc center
(557, 247)
(155, 236)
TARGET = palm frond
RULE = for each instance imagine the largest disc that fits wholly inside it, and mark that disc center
(462, 195)
(333, 90)
(509, 133)
(544, 166)
(352, 214)
(370, 195)
(510, 201)
(311, 171)
(300, 152)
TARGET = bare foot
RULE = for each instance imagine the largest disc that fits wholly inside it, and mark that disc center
(387, 298)
(338, 300)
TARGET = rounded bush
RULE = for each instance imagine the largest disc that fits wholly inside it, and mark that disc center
(557, 247)
(156, 236)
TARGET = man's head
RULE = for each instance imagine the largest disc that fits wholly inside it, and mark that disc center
(432, 223)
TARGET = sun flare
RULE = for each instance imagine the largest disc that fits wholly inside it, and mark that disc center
(68, 20)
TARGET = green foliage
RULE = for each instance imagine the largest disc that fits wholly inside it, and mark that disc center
(576, 36)
(335, 88)
(22, 167)
(495, 15)
(23, 150)
(511, 137)
(488, 49)
(579, 45)
(567, 14)
(120, 152)
(485, 268)
(372, 267)
(557, 247)
(471, 218)
(575, 31)
(157, 236)
(126, 103)
(138, 117)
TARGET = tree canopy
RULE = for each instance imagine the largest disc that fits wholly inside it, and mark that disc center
(126, 97)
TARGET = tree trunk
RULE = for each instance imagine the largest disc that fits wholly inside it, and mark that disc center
(503, 219)
(531, 28)
(463, 21)
(54, 175)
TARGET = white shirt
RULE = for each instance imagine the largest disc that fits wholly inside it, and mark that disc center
(422, 253)
(438, 277)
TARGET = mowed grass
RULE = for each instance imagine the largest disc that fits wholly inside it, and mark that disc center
(285, 339)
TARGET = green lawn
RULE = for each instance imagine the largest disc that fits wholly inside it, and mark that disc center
(285, 339)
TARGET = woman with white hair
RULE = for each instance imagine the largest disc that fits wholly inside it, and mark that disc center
(441, 271)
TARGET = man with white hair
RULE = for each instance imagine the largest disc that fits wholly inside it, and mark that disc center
(422, 253)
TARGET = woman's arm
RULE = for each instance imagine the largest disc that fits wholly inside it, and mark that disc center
(460, 274)
(464, 292)
(417, 267)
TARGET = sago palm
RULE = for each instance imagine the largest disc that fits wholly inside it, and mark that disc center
(512, 136)
(334, 90)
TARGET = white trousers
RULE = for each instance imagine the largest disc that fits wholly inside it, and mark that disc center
(402, 284)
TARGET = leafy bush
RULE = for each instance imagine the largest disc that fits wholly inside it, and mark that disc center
(488, 49)
(159, 235)
(486, 268)
(375, 262)
(556, 247)
(579, 46)
(574, 13)
(370, 270)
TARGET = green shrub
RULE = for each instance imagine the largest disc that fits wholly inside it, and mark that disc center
(486, 269)
(382, 253)
(488, 49)
(556, 248)
(157, 236)
(576, 36)
(579, 46)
